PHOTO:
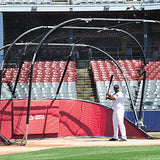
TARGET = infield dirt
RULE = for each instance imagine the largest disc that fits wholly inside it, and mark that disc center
(34, 145)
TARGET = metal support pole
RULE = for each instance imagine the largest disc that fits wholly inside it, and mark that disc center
(1, 37)
(64, 72)
(140, 120)
(145, 39)
(19, 70)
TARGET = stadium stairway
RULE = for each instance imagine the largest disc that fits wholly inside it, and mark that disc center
(85, 85)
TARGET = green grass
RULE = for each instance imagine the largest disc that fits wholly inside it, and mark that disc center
(158, 135)
(92, 153)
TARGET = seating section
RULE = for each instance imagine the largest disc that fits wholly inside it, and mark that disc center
(47, 75)
(102, 71)
(102, 88)
(153, 70)
(152, 87)
(151, 95)
(46, 78)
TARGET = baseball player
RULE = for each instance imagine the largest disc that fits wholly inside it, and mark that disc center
(118, 114)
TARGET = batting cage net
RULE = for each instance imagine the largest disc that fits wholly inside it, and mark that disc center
(74, 62)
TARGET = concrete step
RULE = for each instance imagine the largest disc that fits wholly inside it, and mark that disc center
(84, 80)
(84, 85)
(89, 89)
(88, 98)
(79, 93)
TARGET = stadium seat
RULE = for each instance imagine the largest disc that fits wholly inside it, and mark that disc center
(40, 2)
(156, 105)
(25, 1)
(98, 1)
(9, 1)
(105, 1)
(83, 1)
(18, 1)
(32, 1)
(6, 93)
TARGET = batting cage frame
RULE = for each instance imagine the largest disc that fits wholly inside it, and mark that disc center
(62, 25)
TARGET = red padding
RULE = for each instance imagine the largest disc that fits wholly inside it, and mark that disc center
(44, 117)
(59, 118)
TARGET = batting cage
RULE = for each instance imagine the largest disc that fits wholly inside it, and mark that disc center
(54, 79)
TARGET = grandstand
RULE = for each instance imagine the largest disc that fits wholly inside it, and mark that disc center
(45, 81)
(46, 78)
(89, 70)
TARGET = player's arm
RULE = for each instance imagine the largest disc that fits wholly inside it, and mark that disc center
(108, 96)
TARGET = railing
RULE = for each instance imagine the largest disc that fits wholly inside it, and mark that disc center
(73, 2)
(36, 2)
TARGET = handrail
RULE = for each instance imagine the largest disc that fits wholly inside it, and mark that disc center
(77, 2)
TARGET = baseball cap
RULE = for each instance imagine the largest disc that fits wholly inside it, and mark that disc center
(116, 86)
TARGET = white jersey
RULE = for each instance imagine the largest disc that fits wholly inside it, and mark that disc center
(118, 103)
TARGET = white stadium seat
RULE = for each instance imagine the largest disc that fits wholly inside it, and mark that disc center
(10, 1)
(18, 1)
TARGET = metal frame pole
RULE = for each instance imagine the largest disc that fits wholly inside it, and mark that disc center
(64, 72)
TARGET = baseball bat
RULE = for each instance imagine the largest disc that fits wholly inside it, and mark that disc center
(110, 83)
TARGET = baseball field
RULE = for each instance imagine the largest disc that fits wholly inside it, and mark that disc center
(83, 148)
(82, 153)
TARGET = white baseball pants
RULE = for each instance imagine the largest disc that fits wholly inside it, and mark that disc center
(118, 121)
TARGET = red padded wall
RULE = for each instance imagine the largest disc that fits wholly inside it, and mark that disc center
(59, 118)
(6, 118)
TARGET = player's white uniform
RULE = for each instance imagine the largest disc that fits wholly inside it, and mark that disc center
(118, 115)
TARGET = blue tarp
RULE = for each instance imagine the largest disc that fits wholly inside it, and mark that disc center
(151, 119)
